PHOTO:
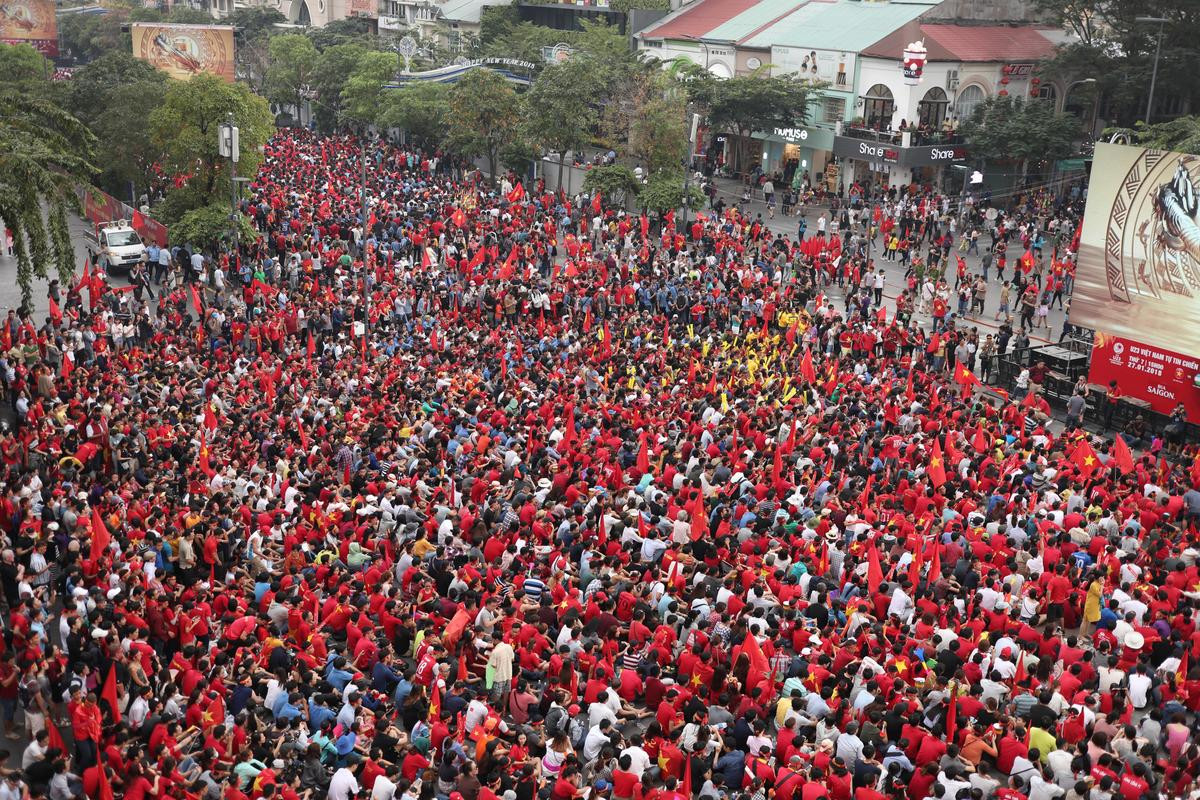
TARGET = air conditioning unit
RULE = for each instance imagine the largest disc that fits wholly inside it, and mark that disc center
(952, 80)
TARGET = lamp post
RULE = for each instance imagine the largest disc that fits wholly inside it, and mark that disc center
(229, 146)
(1158, 37)
(1095, 101)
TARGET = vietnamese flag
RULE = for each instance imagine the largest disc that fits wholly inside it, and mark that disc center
(934, 341)
(1021, 675)
(951, 717)
(597, 202)
(760, 668)
(517, 194)
(310, 347)
(980, 442)
(965, 377)
(68, 365)
(463, 674)
(103, 787)
(426, 261)
(643, 456)
(101, 538)
(568, 436)
(937, 466)
(807, 371)
(1122, 458)
(645, 221)
(935, 563)
(205, 467)
(55, 312)
(1085, 458)
(197, 303)
(210, 417)
(435, 701)
(1027, 261)
(54, 738)
(459, 218)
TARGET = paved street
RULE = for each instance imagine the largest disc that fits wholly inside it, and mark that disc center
(10, 293)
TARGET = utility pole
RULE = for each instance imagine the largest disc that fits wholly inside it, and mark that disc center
(362, 199)
(1158, 37)
(229, 147)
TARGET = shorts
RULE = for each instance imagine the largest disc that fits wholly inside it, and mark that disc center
(35, 721)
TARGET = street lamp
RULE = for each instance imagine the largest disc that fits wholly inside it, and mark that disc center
(1158, 37)
(1095, 101)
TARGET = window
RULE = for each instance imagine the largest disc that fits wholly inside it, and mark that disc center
(968, 98)
(932, 108)
(833, 109)
(878, 107)
(1047, 92)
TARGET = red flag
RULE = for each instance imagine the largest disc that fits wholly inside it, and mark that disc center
(687, 776)
(914, 566)
(214, 713)
(426, 261)
(54, 738)
(1121, 455)
(865, 499)
(568, 436)
(881, 315)
(645, 225)
(109, 694)
(937, 466)
(205, 467)
(964, 376)
(759, 666)
(951, 718)
(435, 701)
(980, 442)
(463, 674)
(210, 417)
(68, 365)
(197, 303)
(55, 312)
(777, 465)
(101, 538)
(1027, 261)
(935, 563)
(459, 218)
(517, 194)
(310, 347)
(874, 569)
(103, 787)
(1020, 675)
(934, 341)
(1085, 458)
(643, 456)
(587, 320)
(597, 202)
(807, 371)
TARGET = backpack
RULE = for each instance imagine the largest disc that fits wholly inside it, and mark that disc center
(556, 721)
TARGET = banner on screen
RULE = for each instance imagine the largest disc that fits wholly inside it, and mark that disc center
(1164, 378)
(185, 50)
(30, 22)
(1138, 273)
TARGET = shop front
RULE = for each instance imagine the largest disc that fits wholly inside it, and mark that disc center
(886, 163)
(796, 153)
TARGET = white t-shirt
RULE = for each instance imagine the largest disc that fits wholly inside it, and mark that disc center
(343, 785)
(383, 789)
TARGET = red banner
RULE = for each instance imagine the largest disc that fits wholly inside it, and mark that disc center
(101, 207)
(1161, 377)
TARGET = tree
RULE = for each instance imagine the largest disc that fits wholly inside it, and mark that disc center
(483, 116)
(88, 36)
(185, 15)
(329, 76)
(293, 61)
(1020, 131)
(362, 96)
(185, 126)
(1181, 135)
(418, 107)
(613, 181)
(44, 154)
(92, 86)
(127, 153)
(256, 21)
(208, 228)
(559, 115)
(350, 30)
(22, 65)
(665, 193)
(749, 103)
(658, 137)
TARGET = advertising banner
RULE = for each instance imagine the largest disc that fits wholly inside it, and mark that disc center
(185, 50)
(364, 8)
(1137, 283)
(99, 206)
(1161, 377)
(30, 22)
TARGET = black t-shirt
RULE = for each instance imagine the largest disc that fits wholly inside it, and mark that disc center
(866, 774)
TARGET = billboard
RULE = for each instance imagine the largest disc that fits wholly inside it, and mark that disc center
(30, 22)
(185, 50)
(1137, 282)
(99, 206)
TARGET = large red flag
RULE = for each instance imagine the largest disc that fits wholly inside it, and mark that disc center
(699, 517)
(55, 312)
(1121, 455)
(643, 456)
(937, 466)
(1085, 458)
(435, 701)
(807, 371)
(759, 666)
(109, 694)
(54, 738)
(568, 436)
(101, 538)
(103, 787)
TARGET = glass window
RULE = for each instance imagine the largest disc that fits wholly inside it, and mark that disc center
(968, 98)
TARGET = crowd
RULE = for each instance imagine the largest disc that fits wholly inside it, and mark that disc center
(508, 494)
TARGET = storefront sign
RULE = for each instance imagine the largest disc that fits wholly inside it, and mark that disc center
(1018, 70)
(884, 153)
(792, 134)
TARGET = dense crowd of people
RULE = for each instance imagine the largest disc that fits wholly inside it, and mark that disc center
(509, 494)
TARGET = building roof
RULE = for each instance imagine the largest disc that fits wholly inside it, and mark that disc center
(699, 19)
(968, 42)
(848, 25)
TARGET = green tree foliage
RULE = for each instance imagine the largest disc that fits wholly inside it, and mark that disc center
(333, 68)
(503, 35)
(658, 137)
(1118, 52)
(208, 228)
(185, 126)
(615, 182)
(665, 193)
(559, 115)
(23, 66)
(252, 51)
(91, 87)
(1181, 135)
(419, 108)
(185, 15)
(483, 116)
(254, 22)
(748, 103)
(1025, 132)
(85, 37)
(293, 62)
(126, 153)
(362, 96)
(44, 153)
(351, 30)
